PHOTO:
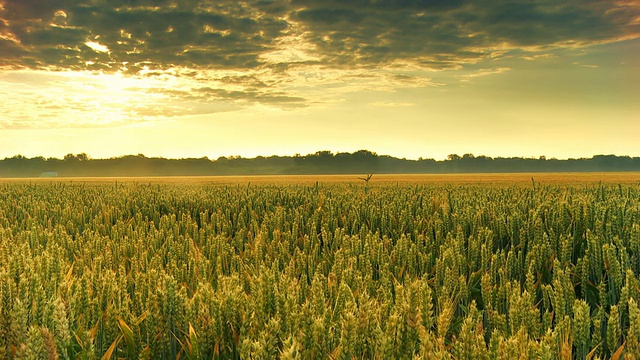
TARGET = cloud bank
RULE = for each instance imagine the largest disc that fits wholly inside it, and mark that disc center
(127, 35)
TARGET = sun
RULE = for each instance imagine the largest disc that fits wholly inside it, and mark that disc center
(105, 99)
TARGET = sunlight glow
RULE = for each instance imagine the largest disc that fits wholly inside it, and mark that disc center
(78, 99)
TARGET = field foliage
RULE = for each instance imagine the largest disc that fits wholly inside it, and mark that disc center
(339, 270)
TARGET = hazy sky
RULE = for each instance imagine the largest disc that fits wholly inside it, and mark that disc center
(408, 78)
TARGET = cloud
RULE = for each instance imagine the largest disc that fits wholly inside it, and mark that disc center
(589, 66)
(158, 34)
(267, 51)
(446, 35)
(228, 34)
(41, 99)
(485, 72)
(254, 96)
(390, 104)
(96, 46)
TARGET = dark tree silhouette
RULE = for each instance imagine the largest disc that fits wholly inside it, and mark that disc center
(321, 162)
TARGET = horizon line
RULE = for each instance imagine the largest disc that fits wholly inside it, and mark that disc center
(451, 157)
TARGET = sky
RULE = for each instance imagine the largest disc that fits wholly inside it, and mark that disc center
(407, 78)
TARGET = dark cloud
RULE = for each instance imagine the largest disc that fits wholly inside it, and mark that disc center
(386, 5)
(251, 95)
(330, 16)
(550, 22)
(155, 34)
(445, 34)
(230, 34)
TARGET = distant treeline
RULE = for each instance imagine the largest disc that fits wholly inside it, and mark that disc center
(322, 162)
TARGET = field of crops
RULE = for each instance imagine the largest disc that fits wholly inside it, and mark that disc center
(320, 269)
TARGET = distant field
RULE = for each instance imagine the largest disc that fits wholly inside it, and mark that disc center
(498, 178)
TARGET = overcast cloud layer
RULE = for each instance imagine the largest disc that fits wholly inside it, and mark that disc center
(229, 54)
(118, 35)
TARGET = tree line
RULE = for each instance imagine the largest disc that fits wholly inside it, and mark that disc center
(321, 162)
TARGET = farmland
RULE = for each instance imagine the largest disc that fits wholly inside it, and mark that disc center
(425, 266)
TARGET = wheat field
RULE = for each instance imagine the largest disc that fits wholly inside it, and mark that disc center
(477, 266)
